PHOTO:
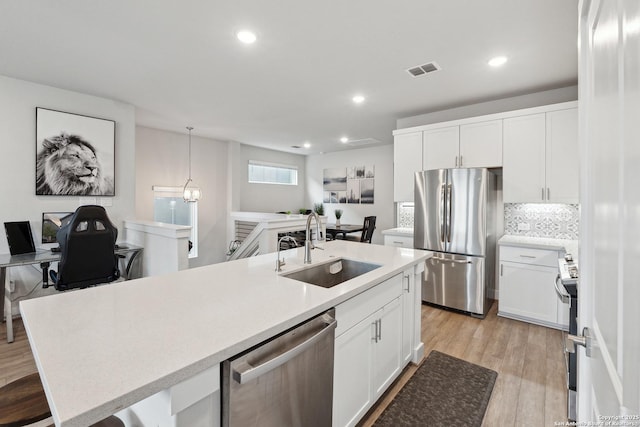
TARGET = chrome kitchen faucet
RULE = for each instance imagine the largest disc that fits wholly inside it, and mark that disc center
(278, 262)
(308, 244)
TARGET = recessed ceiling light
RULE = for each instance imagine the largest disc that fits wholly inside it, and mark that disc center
(246, 36)
(344, 139)
(358, 99)
(497, 61)
(307, 145)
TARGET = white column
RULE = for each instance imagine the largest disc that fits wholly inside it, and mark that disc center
(166, 246)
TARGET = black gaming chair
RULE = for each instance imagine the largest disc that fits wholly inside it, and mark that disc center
(87, 247)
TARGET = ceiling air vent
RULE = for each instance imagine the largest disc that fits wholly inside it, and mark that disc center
(365, 141)
(423, 69)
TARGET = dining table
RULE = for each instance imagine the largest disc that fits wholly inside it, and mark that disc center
(344, 229)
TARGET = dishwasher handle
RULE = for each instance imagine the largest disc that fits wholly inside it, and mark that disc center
(248, 373)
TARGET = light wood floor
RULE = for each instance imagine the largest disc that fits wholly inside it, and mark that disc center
(529, 391)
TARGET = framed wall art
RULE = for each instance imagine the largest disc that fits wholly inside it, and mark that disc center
(354, 185)
(75, 154)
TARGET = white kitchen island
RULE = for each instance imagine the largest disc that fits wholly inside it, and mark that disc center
(103, 349)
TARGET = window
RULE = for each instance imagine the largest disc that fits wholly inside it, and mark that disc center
(272, 173)
(170, 208)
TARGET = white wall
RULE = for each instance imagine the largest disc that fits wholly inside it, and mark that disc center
(162, 158)
(18, 101)
(536, 99)
(267, 197)
(383, 207)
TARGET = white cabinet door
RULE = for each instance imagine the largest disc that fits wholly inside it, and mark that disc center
(523, 171)
(562, 156)
(353, 364)
(387, 346)
(407, 160)
(527, 291)
(441, 148)
(481, 145)
(408, 318)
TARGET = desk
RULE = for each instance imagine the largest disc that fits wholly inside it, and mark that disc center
(44, 257)
(343, 229)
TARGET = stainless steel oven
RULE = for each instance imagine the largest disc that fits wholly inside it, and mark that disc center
(567, 286)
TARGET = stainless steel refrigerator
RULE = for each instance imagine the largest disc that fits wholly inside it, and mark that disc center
(455, 217)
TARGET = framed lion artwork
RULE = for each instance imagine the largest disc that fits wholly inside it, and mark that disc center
(75, 154)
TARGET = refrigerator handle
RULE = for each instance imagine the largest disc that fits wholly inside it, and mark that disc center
(449, 213)
(442, 214)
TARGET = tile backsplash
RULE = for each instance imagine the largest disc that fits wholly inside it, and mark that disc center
(556, 221)
(405, 215)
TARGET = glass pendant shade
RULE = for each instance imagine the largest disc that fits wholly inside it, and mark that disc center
(190, 194)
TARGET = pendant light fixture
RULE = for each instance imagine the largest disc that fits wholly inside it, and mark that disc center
(190, 194)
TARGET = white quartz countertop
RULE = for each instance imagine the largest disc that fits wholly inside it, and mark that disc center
(399, 231)
(102, 349)
(569, 246)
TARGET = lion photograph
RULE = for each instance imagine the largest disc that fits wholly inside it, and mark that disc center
(68, 163)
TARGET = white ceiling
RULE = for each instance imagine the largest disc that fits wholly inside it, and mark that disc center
(180, 64)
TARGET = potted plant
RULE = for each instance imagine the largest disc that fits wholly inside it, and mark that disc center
(338, 213)
(319, 208)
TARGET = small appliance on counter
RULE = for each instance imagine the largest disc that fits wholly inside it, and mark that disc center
(455, 218)
(567, 288)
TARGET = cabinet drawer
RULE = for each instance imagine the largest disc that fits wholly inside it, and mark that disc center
(400, 241)
(524, 255)
(352, 311)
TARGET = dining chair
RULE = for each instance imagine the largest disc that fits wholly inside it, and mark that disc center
(367, 230)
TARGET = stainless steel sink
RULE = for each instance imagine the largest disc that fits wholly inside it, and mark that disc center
(332, 273)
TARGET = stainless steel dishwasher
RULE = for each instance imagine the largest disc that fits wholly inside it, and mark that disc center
(286, 381)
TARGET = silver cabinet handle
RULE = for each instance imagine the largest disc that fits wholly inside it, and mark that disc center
(563, 296)
(248, 373)
(542, 193)
(501, 269)
(548, 194)
(375, 331)
(399, 243)
(456, 161)
(460, 160)
(379, 330)
(527, 256)
(408, 289)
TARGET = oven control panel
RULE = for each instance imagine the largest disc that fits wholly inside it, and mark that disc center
(568, 270)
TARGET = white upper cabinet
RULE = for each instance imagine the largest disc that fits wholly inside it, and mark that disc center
(523, 170)
(473, 145)
(481, 145)
(540, 158)
(441, 148)
(536, 147)
(407, 160)
(562, 156)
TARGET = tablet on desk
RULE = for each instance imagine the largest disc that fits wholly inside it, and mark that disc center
(19, 237)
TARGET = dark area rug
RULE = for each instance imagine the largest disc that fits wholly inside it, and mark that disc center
(444, 391)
